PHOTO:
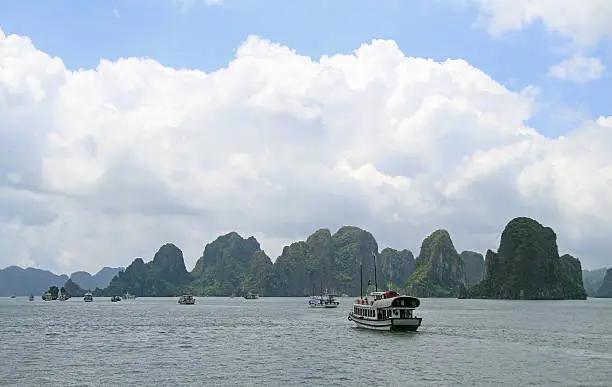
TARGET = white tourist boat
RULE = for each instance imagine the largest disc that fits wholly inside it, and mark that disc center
(88, 297)
(186, 299)
(385, 311)
(325, 300)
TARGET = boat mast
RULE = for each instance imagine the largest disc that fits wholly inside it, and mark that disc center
(375, 280)
(361, 280)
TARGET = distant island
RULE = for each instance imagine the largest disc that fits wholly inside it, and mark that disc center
(526, 265)
(15, 280)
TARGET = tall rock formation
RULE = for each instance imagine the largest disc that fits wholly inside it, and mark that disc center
(328, 261)
(224, 266)
(164, 276)
(605, 290)
(395, 266)
(474, 267)
(73, 289)
(527, 266)
(592, 280)
(259, 276)
(439, 271)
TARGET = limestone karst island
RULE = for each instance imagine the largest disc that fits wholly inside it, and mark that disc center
(526, 265)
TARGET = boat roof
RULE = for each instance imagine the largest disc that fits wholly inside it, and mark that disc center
(412, 302)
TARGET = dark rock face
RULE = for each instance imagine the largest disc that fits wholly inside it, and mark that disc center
(73, 289)
(527, 266)
(328, 261)
(259, 276)
(592, 280)
(474, 267)
(169, 264)
(224, 265)
(605, 290)
(440, 271)
(164, 276)
(395, 266)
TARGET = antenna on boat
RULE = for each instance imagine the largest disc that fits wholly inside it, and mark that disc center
(375, 280)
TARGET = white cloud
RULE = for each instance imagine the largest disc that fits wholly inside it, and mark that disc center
(98, 166)
(188, 4)
(585, 22)
(578, 69)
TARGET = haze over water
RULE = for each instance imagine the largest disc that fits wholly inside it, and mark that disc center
(280, 341)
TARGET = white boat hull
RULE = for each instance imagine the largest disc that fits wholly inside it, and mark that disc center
(392, 324)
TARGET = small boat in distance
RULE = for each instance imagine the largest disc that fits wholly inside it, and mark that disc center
(251, 296)
(31, 298)
(88, 297)
(115, 298)
(13, 296)
(128, 296)
(325, 300)
(186, 299)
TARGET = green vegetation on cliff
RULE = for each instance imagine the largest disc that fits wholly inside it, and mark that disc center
(439, 269)
(327, 260)
(527, 266)
(164, 276)
(226, 264)
(396, 266)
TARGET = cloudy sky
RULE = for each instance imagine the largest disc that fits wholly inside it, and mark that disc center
(125, 124)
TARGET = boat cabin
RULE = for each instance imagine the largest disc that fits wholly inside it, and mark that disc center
(385, 305)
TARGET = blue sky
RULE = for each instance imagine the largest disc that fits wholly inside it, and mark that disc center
(206, 36)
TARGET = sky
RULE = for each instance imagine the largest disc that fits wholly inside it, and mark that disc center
(126, 124)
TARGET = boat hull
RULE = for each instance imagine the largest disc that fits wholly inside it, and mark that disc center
(323, 306)
(393, 324)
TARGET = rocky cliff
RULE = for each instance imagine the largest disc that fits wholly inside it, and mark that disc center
(164, 276)
(395, 266)
(527, 266)
(326, 260)
(439, 269)
(73, 289)
(474, 267)
(592, 280)
(225, 265)
(605, 290)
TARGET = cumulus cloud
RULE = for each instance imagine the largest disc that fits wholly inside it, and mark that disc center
(99, 166)
(578, 69)
(585, 22)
